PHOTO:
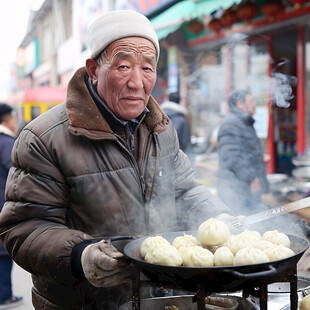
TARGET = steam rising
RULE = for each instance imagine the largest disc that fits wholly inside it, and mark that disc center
(207, 97)
(281, 85)
(287, 223)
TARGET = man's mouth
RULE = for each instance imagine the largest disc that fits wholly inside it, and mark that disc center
(133, 98)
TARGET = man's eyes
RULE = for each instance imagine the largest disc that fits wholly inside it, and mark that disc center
(127, 67)
(123, 67)
(148, 69)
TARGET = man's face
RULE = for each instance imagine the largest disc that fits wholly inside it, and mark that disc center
(248, 105)
(11, 123)
(127, 76)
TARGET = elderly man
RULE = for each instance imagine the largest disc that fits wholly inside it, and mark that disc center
(242, 170)
(104, 163)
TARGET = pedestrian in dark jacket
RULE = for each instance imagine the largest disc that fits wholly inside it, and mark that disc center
(178, 115)
(8, 130)
(242, 170)
(104, 163)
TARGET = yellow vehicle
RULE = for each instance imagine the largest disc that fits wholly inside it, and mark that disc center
(32, 102)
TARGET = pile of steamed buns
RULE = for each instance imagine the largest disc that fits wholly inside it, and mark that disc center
(215, 246)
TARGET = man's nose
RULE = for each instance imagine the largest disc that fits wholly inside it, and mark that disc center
(136, 78)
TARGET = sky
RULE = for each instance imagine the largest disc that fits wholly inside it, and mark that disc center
(13, 24)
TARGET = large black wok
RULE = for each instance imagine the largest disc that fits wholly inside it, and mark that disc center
(215, 279)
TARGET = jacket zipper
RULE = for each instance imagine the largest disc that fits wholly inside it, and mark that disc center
(144, 161)
(124, 146)
(130, 140)
(149, 197)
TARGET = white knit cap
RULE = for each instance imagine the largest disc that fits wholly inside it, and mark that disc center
(115, 25)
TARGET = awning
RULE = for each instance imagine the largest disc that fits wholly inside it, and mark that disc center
(46, 94)
(172, 19)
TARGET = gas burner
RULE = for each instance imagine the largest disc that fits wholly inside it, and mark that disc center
(279, 294)
(273, 296)
(186, 302)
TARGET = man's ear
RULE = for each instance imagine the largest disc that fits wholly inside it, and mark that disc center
(91, 66)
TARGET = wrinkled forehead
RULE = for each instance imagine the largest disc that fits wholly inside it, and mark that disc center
(132, 46)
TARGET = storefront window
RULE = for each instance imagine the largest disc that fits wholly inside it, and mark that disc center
(240, 66)
(272, 81)
(206, 96)
(259, 86)
(284, 98)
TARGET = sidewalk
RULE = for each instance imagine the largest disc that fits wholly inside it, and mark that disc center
(22, 284)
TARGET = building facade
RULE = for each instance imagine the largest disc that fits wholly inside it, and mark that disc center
(208, 49)
(262, 46)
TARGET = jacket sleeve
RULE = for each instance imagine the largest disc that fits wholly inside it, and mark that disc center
(5, 153)
(33, 220)
(232, 154)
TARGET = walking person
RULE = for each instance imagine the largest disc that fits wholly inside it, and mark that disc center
(8, 131)
(242, 170)
(178, 115)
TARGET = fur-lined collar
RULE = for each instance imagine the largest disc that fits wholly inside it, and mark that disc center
(173, 106)
(7, 131)
(83, 112)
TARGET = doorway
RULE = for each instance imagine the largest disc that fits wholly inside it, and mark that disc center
(284, 99)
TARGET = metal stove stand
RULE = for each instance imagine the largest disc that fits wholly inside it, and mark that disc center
(262, 292)
(259, 290)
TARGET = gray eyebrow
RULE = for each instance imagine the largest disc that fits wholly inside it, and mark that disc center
(123, 55)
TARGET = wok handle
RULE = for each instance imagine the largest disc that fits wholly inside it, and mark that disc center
(117, 238)
(254, 275)
(119, 242)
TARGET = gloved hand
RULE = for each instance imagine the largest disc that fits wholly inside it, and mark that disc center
(104, 266)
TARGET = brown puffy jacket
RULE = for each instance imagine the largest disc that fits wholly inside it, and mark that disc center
(74, 179)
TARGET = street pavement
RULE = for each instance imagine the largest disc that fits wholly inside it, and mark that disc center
(21, 281)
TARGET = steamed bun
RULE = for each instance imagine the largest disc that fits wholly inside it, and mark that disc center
(277, 237)
(164, 254)
(196, 256)
(262, 244)
(278, 251)
(223, 256)
(250, 255)
(213, 232)
(150, 242)
(185, 240)
(305, 303)
(251, 233)
(241, 241)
